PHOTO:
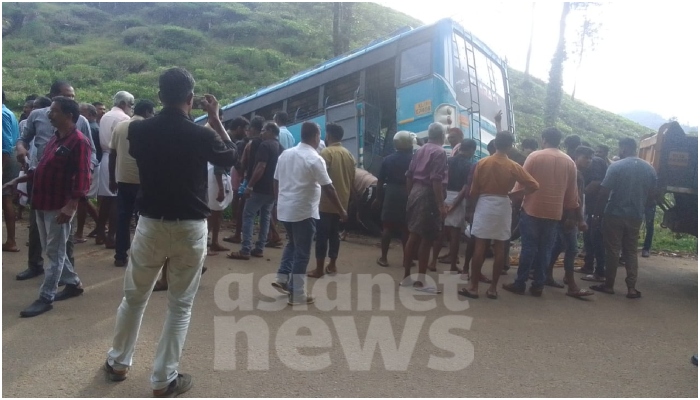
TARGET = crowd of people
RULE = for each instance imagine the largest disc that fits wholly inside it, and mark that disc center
(176, 178)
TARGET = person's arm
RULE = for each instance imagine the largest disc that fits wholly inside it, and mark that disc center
(220, 184)
(84, 127)
(318, 169)
(497, 119)
(604, 192)
(261, 159)
(244, 159)
(518, 191)
(25, 139)
(332, 195)
(80, 184)
(522, 177)
(219, 149)
(113, 171)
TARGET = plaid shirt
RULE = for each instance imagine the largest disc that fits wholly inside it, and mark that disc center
(63, 172)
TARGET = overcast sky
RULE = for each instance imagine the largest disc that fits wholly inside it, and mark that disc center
(625, 72)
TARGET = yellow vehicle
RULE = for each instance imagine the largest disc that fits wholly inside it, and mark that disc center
(674, 156)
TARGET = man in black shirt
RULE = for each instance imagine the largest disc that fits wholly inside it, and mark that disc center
(240, 128)
(171, 152)
(260, 192)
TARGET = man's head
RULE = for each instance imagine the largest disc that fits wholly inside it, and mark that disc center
(436, 133)
(145, 108)
(239, 126)
(176, 89)
(281, 118)
(602, 151)
(503, 141)
(64, 112)
(256, 125)
(88, 111)
(529, 145)
(334, 133)
(491, 147)
(467, 148)
(42, 102)
(551, 138)
(271, 131)
(28, 107)
(627, 147)
(572, 142)
(586, 144)
(61, 88)
(101, 110)
(125, 101)
(583, 156)
(455, 136)
(311, 134)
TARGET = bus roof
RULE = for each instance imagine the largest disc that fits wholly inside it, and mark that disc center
(403, 32)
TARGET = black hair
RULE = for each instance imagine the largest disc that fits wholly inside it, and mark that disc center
(31, 97)
(335, 131)
(272, 127)
(143, 107)
(98, 104)
(239, 122)
(281, 117)
(530, 143)
(604, 148)
(572, 142)
(68, 106)
(90, 109)
(627, 143)
(585, 144)
(504, 140)
(491, 147)
(176, 85)
(584, 151)
(309, 130)
(552, 136)
(56, 88)
(257, 123)
(467, 144)
(42, 102)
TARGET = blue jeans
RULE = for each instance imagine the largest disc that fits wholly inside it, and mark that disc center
(54, 241)
(126, 202)
(649, 215)
(256, 202)
(537, 236)
(295, 257)
(595, 249)
(566, 241)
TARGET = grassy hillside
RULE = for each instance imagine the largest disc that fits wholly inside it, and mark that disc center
(230, 48)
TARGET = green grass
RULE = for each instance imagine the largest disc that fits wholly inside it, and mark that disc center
(665, 241)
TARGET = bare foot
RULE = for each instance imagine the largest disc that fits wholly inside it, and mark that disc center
(217, 247)
(315, 274)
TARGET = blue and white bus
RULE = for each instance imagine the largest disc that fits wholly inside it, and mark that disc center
(435, 73)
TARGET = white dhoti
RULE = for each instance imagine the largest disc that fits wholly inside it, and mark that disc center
(94, 183)
(103, 180)
(457, 217)
(492, 218)
(213, 191)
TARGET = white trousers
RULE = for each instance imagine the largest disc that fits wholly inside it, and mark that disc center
(185, 244)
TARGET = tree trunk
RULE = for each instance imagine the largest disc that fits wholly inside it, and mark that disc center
(529, 46)
(556, 73)
(336, 29)
(580, 58)
(346, 19)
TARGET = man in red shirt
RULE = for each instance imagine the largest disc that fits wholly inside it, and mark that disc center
(60, 181)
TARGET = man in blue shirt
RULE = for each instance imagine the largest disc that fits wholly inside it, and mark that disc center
(628, 185)
(286, 138)
(10, 134)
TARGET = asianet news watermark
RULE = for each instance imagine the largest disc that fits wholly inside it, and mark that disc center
(303, 342)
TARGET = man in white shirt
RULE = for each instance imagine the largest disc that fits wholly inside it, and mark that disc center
(286, 139)
(299, 178)
(122, 111)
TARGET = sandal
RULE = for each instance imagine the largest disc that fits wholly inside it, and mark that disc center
(466, 293)
(79, 240)
(428, 289)
(583, 270)
(238, 256)
(275, 245)
(382, 263)
(484, 279)
(12, 249)
(406, 282)
(232, 239)
(327, 271)
(554, 284)
(492, 296)
(580, 293)
(603, 289)
(637, 294)
(593, 278)
(257, 253)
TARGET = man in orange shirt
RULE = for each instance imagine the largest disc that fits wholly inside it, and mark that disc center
(494, 177)
(542, 210)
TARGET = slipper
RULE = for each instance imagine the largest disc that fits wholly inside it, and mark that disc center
(554, 284)
(10, 249)
(428, 289)
(484, 279)
(257, 254)
(466, 293)
(456, 271)
(582, 270)
(231, 239)
(603, 289)
(328, 271)
(593, 278)
(80, 240)
(513, 289)
(446, 260)
(407, 282)
(580, 293)
(275, 245)
(382, 263)
(464, 277)
(636, 295)
(492, 296)
(238, 256)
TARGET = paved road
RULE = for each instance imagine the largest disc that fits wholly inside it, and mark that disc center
(517, 346)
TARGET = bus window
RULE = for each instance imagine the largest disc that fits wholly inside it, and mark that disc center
(268, 112)
(341, 90)
(415, 63)
(303, 106)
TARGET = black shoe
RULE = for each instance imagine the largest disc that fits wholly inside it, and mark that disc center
(113, 374)
(29, 273)
(37, 308)
(68, 292)
(694, 360)
(180, 385)
(121, 263)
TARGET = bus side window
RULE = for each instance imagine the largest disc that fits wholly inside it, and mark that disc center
(415, 63)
